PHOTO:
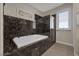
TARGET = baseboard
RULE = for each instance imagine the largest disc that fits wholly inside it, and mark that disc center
(75, 54)
(64, 43)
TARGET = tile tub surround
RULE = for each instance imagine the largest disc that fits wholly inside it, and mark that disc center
(43, 24)
(35, 49)
(15, 27)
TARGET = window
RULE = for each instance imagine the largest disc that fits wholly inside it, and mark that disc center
(63, 20)
(51, 22)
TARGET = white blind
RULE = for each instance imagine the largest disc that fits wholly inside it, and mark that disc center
(51, 22)
(64, 19)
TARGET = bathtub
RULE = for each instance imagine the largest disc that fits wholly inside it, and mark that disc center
(30, 39)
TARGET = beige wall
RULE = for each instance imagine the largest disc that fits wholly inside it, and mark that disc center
(63, 36)
(76, 28)
(77, 40)
(11, 9)
(1, 29)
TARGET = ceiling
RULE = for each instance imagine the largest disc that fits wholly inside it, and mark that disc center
(43, 7)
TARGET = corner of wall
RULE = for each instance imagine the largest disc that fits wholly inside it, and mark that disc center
(1, 29)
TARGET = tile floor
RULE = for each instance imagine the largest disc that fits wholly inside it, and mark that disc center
(59, 50)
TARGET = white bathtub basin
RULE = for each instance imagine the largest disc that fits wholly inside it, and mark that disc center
(26, 40)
